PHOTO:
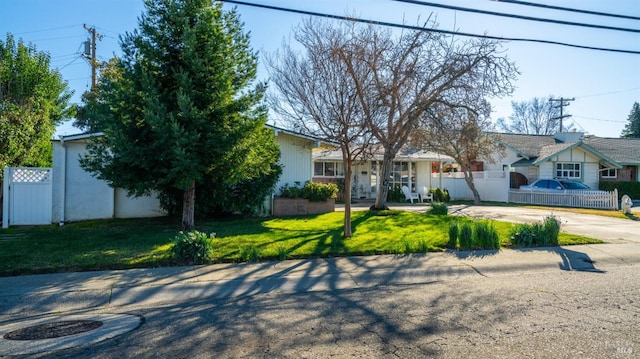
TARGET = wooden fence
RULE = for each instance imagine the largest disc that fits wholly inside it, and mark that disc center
(578, 199)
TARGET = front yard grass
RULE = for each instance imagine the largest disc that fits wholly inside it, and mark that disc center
(122, 244)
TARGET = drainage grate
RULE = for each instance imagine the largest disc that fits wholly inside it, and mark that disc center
(53, 330)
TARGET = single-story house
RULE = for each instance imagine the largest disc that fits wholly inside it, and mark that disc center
(413, 167)
(571, 155)
(69, 193)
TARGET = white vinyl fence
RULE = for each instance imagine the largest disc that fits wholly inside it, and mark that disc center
(578, 199)
(27, 196)
(491, 185)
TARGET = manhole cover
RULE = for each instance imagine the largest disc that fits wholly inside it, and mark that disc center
(53, 330)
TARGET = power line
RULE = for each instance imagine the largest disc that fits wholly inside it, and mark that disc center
(598, 119)
(609, 93)
(47, 30)
(589, 12)
(514, 16)
(419, 28)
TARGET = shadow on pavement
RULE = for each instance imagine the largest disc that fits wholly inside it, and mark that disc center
(570, 260)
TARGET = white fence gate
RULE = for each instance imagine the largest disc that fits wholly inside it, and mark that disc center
(27, 196)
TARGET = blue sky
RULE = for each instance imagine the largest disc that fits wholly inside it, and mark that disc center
(604, 84)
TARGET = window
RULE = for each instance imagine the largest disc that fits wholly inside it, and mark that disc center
(400, 176)
(568, 170)
(328, 169)
(609, 173)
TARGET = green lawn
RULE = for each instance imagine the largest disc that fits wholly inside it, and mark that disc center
(118, 244)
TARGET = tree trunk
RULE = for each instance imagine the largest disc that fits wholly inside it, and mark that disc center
(188, 207)
(383, 188)
(347, 196)
(468, 177)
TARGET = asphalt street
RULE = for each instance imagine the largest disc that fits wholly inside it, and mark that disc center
(577, 301)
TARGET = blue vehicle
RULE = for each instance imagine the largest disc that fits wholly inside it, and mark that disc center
(556, 185)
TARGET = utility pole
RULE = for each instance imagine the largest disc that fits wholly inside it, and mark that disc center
(563, 102)
(90, 52)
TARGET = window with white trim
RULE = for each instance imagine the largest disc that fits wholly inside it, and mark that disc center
(609, 173)
(568, 170)
(328, 169)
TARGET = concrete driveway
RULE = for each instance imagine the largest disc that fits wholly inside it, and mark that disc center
(610, 230)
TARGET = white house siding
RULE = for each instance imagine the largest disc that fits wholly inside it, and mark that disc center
(590, 165)
(296, 159)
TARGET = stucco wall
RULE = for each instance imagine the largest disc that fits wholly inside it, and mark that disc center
(77, 195)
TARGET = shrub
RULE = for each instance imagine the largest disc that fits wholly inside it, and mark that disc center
(283, 253)
(466, 236)
(395, 195)
(454, 230)
(294, 191)
(632, 189)
(486, 235)
(440, 195)
(249, 253)
(193, 247)
(551, 227)
(439, 208)
(318, 192)
(312, 191)
(537, 234)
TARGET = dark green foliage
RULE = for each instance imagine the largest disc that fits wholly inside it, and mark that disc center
(193, 247)
(318, 192)
(180, 108)
(216, 198)
(454, 231)
(466, 236)
(33, 100)
(395, 195)
(537, 234)
(631, 189)
(632, 129)
(312, 191)
(440, 195)
(486, 235)
(439, 208)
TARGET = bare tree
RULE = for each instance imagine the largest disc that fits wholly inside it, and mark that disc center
(535, 117)
(460, 132)
(411, 72)
(313, 94)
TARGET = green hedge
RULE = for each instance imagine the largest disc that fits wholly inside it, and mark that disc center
(631, 189)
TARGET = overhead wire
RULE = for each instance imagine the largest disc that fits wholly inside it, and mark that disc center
(581, 11)
(412, 27)
(514, 16)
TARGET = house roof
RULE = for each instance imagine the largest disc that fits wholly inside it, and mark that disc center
(527, 146)
(625, 151)
(312, 138)
(613, 152)
(78, 136)
(407, 153)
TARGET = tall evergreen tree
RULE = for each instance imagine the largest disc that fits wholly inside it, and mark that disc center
(180, 106)
(632, 129)
(33, 100)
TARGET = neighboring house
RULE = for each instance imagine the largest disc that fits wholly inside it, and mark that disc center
(413, 168)
(571, 155)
